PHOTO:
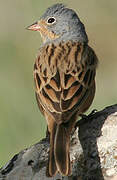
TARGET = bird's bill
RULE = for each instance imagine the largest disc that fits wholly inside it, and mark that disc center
(34, 27)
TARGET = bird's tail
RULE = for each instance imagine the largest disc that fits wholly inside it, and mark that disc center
(61, 150)
(51, 169)
(59, 158)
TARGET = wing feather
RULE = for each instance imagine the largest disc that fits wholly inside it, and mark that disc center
(64, 82)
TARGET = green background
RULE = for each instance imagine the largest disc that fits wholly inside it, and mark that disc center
(21, 123)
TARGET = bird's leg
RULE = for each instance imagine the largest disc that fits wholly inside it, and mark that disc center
(47, 133)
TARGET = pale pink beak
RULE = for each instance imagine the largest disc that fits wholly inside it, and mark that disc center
(34, 27)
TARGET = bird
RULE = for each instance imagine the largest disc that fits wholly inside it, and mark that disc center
(64, 76)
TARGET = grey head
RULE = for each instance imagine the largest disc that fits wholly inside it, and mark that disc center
(60, 23)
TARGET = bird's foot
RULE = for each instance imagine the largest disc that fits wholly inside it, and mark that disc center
(85, 118)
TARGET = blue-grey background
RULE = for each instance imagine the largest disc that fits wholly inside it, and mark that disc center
(21, 123)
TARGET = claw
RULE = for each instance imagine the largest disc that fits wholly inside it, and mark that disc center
(93, 112)
(85, 118)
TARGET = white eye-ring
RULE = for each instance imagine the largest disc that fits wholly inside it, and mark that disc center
(51, 20)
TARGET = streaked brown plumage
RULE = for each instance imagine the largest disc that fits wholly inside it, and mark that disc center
(64, 75)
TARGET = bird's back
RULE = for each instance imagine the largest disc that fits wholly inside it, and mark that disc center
(64, 74)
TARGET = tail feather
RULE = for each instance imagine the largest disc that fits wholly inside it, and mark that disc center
(61, 150)
(51, 169)
(59, 157)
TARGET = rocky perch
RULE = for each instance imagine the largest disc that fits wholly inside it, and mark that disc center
(93, 152)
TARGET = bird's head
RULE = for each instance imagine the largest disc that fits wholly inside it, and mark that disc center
(60, 23)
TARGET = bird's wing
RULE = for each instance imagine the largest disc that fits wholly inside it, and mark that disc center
(63, 76)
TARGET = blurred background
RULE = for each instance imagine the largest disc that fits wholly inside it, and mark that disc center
(21, 123)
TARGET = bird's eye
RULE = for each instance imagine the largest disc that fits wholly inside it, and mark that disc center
(51, 20)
